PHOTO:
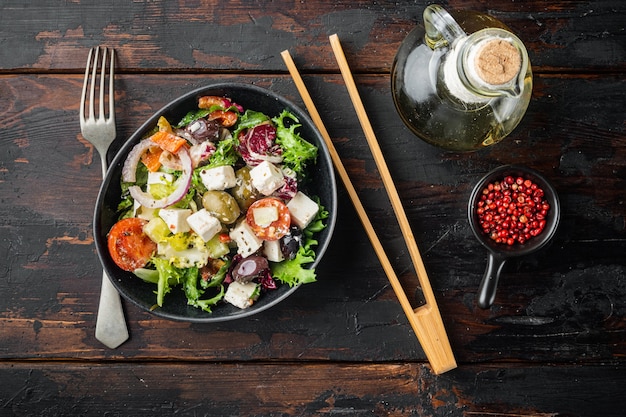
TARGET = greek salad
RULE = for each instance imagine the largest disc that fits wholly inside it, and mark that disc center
(215, 205)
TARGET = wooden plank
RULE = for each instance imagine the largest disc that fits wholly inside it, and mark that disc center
(272, 389)
(565, 303)
(249, 36)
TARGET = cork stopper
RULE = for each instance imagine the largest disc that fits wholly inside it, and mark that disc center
(497, 61)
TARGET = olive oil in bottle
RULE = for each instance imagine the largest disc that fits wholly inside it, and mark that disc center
(457, 91)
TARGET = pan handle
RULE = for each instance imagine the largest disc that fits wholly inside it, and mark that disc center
(489, 284)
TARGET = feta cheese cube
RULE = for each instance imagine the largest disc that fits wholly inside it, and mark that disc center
(204, 224)
(218, 178)
(271, 250)
(267, 177)
(242, 295)
(247, 242)
(302, 209)
(176, 219)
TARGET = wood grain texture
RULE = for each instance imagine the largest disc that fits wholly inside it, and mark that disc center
(268, 389)
(554, 343)
(564, 303)
(210, 36)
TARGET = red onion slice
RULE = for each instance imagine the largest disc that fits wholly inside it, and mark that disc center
(129, 170)
(182, 186)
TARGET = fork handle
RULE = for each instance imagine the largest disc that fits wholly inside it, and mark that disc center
(111, 327)
(104, 163)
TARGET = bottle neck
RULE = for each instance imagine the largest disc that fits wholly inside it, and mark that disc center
(455, 84)
(489, 63)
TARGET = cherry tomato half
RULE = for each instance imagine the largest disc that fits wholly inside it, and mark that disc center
(274, 229)
(128, 245)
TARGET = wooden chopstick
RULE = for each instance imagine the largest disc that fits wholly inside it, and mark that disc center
(425, 320)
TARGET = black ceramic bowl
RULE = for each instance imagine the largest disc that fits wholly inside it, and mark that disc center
(175, 306)
(499, 253)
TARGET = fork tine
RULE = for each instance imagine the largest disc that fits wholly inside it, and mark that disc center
(84, 93)
(111, 89)
(92, 92)
(102, 77)
(90, 81)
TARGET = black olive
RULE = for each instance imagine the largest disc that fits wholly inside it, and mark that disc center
(291, 242)
(203, 129)
(249, 268)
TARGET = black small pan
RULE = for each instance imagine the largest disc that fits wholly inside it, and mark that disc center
(499, 253)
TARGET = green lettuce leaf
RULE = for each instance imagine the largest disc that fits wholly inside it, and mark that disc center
(248, 120)
(225, 153)
(207, 303)
(168, 277)
(193, 116)
(292, 272)
(193, 293)
(297, 152)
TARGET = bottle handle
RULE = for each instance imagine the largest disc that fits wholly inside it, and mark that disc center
(441, 28)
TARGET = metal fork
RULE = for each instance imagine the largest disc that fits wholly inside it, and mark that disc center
(111, 327)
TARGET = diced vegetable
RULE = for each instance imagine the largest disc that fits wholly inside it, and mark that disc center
(225, 118)
(217, 247)
(156, 229)
(151, 159)
(168, 141)
(213, 102)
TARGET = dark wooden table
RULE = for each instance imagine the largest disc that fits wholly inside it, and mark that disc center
(553, 344)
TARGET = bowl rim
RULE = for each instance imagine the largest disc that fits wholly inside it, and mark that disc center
(331, 206)
(537, 242)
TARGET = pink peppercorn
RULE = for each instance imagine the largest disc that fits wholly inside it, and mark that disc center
(512, 210)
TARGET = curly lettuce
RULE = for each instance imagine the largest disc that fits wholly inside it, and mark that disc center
(297, 152)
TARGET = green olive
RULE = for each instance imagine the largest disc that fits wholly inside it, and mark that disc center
(244, 192)
(222, 205)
